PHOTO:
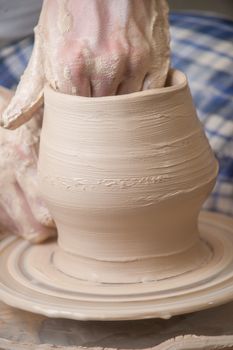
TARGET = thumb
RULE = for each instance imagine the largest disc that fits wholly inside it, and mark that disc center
(29, 93)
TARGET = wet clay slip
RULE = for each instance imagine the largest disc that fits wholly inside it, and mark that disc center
(124, 178)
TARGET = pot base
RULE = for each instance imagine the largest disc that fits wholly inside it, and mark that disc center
(134, 271)
(30, 281)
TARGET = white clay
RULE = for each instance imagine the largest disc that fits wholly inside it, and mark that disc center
(124, 178)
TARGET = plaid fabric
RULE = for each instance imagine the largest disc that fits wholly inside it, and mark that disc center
(202, 47)
(13, 60)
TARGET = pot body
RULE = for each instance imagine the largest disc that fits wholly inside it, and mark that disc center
(124, 178)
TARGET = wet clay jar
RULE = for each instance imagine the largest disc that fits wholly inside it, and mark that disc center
(124, 178)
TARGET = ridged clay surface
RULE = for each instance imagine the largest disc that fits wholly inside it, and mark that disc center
(124, 178)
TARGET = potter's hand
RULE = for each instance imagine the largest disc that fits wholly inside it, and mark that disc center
(93, 48)
(21, 210)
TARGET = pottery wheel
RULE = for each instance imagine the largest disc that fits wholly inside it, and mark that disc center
(30, 281)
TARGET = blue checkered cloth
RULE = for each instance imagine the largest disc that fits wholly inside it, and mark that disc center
(202, 47)
(13, 60)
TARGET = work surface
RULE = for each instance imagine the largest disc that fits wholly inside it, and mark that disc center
(213, 329)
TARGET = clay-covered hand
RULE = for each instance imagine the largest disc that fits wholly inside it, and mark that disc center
(93, 48)
(21, 210)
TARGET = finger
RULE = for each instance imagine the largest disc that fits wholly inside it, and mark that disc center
(29, 93)
(132, 84)
(160, 51)
(71, 70)
(150, 81)
(82, 87)
(73, 80)
(16, 207)
(155, 80)
(107, 74)
(104, 86)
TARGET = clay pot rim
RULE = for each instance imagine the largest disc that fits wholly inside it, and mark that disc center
(176, 81)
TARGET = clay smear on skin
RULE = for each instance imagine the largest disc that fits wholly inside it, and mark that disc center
(65, 19)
